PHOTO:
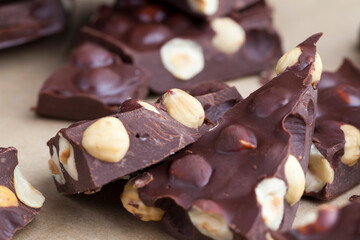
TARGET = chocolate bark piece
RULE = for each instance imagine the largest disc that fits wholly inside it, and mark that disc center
(19, 201)
(93, 84)
(334, 166)
(331, 223)
(179, 52)
(246, 176)
(210, 9)
(25, 21)
(85, 155)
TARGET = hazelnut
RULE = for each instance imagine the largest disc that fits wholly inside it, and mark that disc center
(352, 145)
(26, 193)
(184, 108)
(66, 157)
(133, 204)
(7, 198)
(229, 37)
(210, 222)
(270, 194)
(106, 139)
(291, 58)
(182, 58)
(295, 178)
(319, 171)
(205, 7)
(55, 169)
(148, 106)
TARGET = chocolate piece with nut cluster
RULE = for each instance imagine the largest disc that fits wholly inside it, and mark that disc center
(93, 84)
(331, 224)
(90, 154)
(178, 51)
(19, 201)
(246, 176)
(334, 160)
(210, 9)
(25, 21)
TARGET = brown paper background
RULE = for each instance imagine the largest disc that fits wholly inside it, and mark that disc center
(23, 70)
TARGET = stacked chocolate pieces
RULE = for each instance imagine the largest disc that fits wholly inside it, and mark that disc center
(334, 161)
(244, 178)
(25, 21)
(179, 50)
(19, 201)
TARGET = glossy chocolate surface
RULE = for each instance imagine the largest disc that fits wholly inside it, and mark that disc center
(12, 218)
(338, 104)
(153, 137)
(140, 28)
(252, 142)
(25, 21)
(331, 224)
(93, 84)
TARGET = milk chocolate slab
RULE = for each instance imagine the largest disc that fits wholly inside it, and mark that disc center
(246, 176)
(17, 206)
(25, 21)
(334, 166)
(178, 51)
(331, 224)
(210, 9)
(93, 84)
(152, 135)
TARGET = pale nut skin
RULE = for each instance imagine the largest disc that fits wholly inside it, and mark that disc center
(55, 169)
(205, 7)
(184, 108)
(210, 224)
(352, 145)
(291, 57)
(26, 193)
(295, 178)
(229, 37)
(67, 158)
(106, 140)
(133, 204)
(148, 106)
(183, 58)
(319, 171)
(270, 194)
(8, 198)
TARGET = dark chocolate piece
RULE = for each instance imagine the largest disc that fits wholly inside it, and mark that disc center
(246, 176)
(25, 21)
(19, 201)
(150, 132)
(334, 166)
(93, 84)
(331, 224)
(210, 9)
(180, 52)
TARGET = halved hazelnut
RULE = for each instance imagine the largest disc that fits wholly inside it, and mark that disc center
(295, 178)
(229, 37)
(205, 7)
(26, 192)
(7, 198)
(210, 221)
(54, 167)
(66, 157)
(352, 145)
(184, 108)
(106, 140)
(270, 194)
(183, 58)
(148, 106)
(133, 204)
(319, 171)
(317, 70)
